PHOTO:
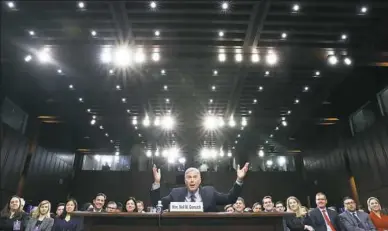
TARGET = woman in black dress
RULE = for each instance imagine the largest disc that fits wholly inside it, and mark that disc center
(296, 223)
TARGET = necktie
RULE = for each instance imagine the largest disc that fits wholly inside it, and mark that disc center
(328, 222)
(359, 223)
(192, 197)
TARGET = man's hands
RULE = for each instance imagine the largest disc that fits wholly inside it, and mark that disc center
(241, 172)
(157, 174)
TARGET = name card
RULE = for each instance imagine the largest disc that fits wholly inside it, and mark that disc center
(186, 207)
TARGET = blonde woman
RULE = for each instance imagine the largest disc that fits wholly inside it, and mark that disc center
(296, 223)
(379, 219)
(40, 218)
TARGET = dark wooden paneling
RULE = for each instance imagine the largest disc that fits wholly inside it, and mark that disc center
(368, 158)
(14, 150)
(120, 185)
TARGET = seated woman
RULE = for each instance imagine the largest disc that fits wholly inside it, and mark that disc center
(12, 217)
(229, 208)
(296, 223)
(40, 219)
(130, 205)
(379, 219)
(66, 221)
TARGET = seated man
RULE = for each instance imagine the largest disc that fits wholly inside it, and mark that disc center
(208, 195)
(353, 220)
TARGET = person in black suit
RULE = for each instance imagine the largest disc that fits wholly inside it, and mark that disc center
(322, 218)
(193, 192)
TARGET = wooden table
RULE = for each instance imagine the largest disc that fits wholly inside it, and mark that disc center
(182, 221)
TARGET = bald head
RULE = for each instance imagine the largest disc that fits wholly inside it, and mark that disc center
(192, 179)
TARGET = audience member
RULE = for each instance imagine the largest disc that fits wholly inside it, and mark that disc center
(353, 220)
(111, 207)
(239, 206)
(321, 218)
(66, 221)
(256, 207)
(140, 206)
(378, 217)
(296, 223)
(119, 207)
(268, 204)
(12, 216)
(60, 208)
(279, 206)
(98, 203)
(40, 219)
(229, 208)
(130, 205)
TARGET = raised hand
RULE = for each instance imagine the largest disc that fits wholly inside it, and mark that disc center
(157, 174)
(242, 172)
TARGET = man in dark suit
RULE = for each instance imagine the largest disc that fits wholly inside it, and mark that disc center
(353, 220)
(193, 192)
(321, 218)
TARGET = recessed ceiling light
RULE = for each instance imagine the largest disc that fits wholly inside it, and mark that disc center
(92, 122)
(306, 88)
(59, 71)
(165, 87)
(284, 123)
(284, 35)
(260, 88)
(11, 4)
(213, 88)
(106, 134)
(225, 5)
(267, 73)
(101, 127)
(28, 58)
(255, 101)
(118, 87)
(255, 58)
(163, 72)
(296, 101)
(111, 71)
(88, 110)
(215, 72)
(289, 112)
(317, 73)
(210, 100)
(128, 111)
(153, 5)
(271, 58)
(157, 33)
(332, 59)
(221, 34)
(93, 33)
(81, 5)
(347, 61)
(344, 36)
(277, 128)
(71, 86)
(249, 112)
(81, 100)
(296, 7)
(364, 9)
(31, 32)
(167, 100)
(222, 57)
(271, 135)
(155, 57)
(238, 57)
(123, 100)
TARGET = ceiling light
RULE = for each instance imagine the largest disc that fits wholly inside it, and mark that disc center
(44, 56)
(94, 117)
(93, 121)
(255, 58)
(122, 56)
(296, 101)
(271, 58)
(128, 111)
(236, 142)
(238, 135)
(134, 121)
(364, 9)
(261, 153)
(238, 57)
(284, 35)
(260, 88)
(213, 88)
(210, 101)
(222, 153)
(11, 4)
(106, 134)
(284, 123)
(222, 57)
(317, 73)
(277, 128)
(111, 71)
(233, 148)
(106, 55)
(88, 110)
(101, 127)
(232, 123)
(118, 87)
(266, 142)
(344, 36)
(255, 101)
(210, 123)
(155, 57)
(347, 61)
(165, 87)
(168, 122)
(296, 7)
(93, 33)
(333, 60)
(124, 100)
(31, 32)
(229, 153)
(28, 58)
(182, 160)
(281, 160)
(157, 33)
(140, 56)
(81, 5)
(271, 135)
(139, 135)
(116, 153)
(221, 122)
(157, 121)
(153, 5)
(59, 71)
(306, 88)
(225, 5)
(215, 72)
(71, 86)
(146, 121)
(249, 112)
(269, 162)
(267, 73)
(167, 100)
(244, 122)
(163, 72)
(283, 118)
(289, 112)
(221, 34)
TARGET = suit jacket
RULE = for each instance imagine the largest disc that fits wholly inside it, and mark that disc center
(46, 225)
(349, 223)
(316, 220)
(210, 197)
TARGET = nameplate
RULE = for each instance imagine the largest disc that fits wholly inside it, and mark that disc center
(186, 207)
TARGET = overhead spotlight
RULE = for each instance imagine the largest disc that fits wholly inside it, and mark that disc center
(261, 153)
(249, 112)
(139, 135)
(281, 160)
(124, 100)
(168, 122)
(261, 88)
(332, 59)
(71, 86)
(244, 121)
(134, 121)
(101, 127)
(94, 117)
(153, 5)
(238, 57)
(165, 87)
(81, 100)
(289, 112)
(229, 153)
(347, 61)
(284, 123)
(11, 4)
(283, 118)
(296, 7)
(155, 57)
(59, 71)
(221, 122)
(157, 121)
(157, 153)
(222, 153)
(93, 33)
(163, 72)
(296, 101)
(306, 89)
(148, 153)
(344, 36)
(236, 142)
(28, 58)
(157, 33)
(118, 87)
(284, 35)
(210, 122)
(182, 160)
(106, 55)
(88, 110)
(210, 100)
(363, 9)
(266, 73)
(140, 56)
(31, 32)
(221, 34)
(44, 55)
(255, 58)
(271, 136)
(167, 100)
(222, 57)
(117, 152)
(122, 56)
(233, 148)
(277, 128)
(146, 121)
(271, 58)
(215, 72)
(317, 73)
(225, 5)
(232, 123)
(128, 111)
(269, 162)
(238, 135)
(254, 101)
(93, 121)
(213, 88)
(81, 5)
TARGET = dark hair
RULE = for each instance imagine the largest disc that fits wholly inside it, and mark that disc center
(85, 207)
(256, 204)
(134, 201)
(64, 214)
(101, 194)
(267, 197)
(347, 198)
(119, 206)
(6, 211)
(279, 202)
(139, 201)
(61, 204)
(228, 206)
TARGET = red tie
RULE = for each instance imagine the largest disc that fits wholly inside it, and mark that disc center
(328, 220)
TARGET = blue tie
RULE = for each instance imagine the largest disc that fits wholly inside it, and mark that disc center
(192, 197)
(359, 223)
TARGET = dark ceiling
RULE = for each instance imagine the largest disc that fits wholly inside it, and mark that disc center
(189, 42)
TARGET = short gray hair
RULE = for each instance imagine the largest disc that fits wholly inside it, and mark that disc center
(192, 170)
